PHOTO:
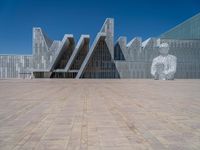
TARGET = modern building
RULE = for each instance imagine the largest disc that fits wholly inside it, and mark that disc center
(15, 66)
(104, 58)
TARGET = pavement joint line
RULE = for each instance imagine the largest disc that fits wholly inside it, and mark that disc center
(100, 114)
(52, 105)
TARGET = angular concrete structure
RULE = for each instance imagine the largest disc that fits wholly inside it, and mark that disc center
(76, 59)
(103, 58)
(99, 62)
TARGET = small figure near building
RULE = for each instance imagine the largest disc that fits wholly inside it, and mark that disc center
(164, 66)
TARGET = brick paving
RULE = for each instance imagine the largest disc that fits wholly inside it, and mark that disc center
(91, 114)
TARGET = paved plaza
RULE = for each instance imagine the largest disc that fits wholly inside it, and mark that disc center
(93, 114)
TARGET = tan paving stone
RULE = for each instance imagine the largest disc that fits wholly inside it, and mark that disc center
(106, 114)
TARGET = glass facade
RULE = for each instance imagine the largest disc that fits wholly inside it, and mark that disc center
(186, 51)
(188, 30)
(66, 59)
(15, 66)
(79, 58)
(100, 64)
(188, 57)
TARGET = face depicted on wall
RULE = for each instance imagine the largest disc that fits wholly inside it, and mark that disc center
(164, 49)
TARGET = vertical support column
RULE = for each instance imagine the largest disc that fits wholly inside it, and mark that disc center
(108, 28)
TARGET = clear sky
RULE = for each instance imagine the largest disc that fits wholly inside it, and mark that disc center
(143, 18)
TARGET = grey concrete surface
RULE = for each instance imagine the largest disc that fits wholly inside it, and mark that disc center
(99, 114)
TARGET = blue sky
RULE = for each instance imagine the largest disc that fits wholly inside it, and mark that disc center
(143, 18)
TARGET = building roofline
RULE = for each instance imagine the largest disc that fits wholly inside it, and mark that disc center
(178, 25)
